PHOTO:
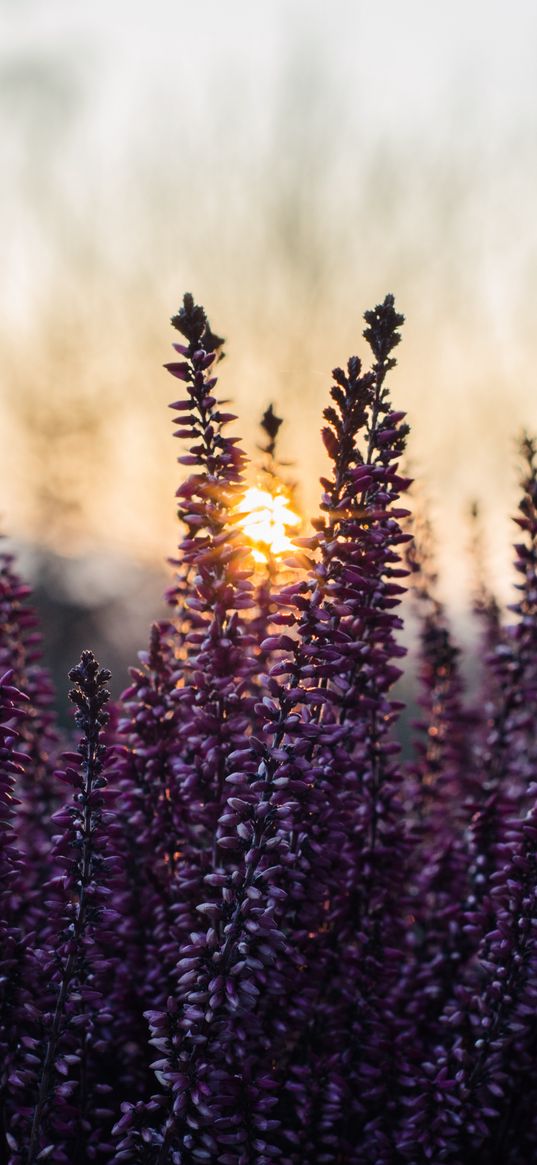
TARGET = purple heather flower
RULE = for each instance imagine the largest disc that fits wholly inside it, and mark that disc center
(55, 1070)
(38, 791)
(12, 946)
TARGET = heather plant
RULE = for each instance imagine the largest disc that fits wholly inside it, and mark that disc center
(237, 927)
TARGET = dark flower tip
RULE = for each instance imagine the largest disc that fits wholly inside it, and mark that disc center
(270, 423)
(191, 321)
(382, 334)
(88, 674)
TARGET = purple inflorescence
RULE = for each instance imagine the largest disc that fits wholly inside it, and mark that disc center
(237, 925)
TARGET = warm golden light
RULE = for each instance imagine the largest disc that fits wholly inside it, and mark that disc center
(267, 518)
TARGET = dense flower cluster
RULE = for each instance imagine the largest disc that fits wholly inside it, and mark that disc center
(236, 926)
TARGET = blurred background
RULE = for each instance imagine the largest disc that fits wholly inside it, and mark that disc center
(289, 162)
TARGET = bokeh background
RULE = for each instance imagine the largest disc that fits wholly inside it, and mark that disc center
(289, 162)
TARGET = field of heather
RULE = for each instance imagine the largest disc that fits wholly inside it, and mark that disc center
(268, 623)
(236, 926)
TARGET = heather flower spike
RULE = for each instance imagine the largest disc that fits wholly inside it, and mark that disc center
(11, 871)
(81, 850)
(38, 739)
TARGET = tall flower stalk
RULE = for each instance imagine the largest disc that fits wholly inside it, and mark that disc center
(81, 851)
(208, 692)
(38, 739)
(506, 758)
(350, 626)
(12, 944)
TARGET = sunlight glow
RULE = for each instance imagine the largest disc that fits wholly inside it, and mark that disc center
(267, 517)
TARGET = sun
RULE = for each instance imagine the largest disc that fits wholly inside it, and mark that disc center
(267, 518)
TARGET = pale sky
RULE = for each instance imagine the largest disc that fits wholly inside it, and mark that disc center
(289, 162)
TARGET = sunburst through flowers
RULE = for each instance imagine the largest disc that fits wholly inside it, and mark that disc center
(267, 519)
